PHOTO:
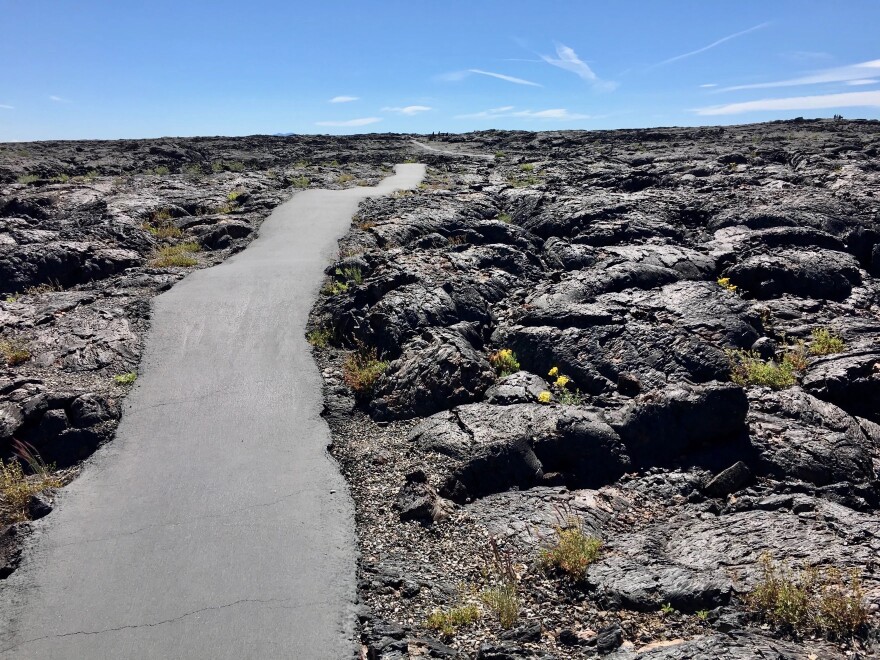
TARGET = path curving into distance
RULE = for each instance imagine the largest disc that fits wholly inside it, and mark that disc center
(215, 525)
(450, 150)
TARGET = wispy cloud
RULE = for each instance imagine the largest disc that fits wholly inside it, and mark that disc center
(866, 81)
(821, 101)
(362, 121)
(58, 99)
(708, 85)
(557, 114)
(409, 110)
(501, 76)
(456, 76)
(3, 106)
(344, 99)
(761, 26)
(862, 71)
(567, 59)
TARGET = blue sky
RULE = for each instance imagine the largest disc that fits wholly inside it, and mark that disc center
(77, 69)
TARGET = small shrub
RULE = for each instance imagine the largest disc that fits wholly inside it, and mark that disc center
(345, 178)
(504, 361)
(234, 166)
(162, 170)
(703, 615)
(61, 178)
(45, 287)
(504, 217)
(320, 337)
(362, 370)
(503, 600)
(160, 216)
(666, 609)
(300, 182)
(16, 487)
(14, 352)
(28, 179)
(573, 551)
(179, 255)
(809, 602)
(447, 622)
(526, 167)
(163, 231)
(125, 379)
(234, 195)
(747, 368)
(192, 171)
(826, 342)
(499, 155)
(351, 274)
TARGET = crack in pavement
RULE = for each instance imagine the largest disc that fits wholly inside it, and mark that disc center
(160, 623)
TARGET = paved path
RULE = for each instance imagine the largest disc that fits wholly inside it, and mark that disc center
(215, 525)
(451, 150)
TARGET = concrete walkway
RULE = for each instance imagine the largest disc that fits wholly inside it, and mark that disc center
(215, 525)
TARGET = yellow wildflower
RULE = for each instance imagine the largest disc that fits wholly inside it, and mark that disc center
(544, 397)
(553, 371)
(562, 381)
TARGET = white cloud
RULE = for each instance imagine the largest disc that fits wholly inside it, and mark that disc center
(862, 71)
(3, 106)
(822, 101)
(866, 81)
(344, 99)
(510, 111)
(707, 85)
(58, 99)
(710, 46)
(409, 110)
(362, 121)
(567, 59)
(501, 76)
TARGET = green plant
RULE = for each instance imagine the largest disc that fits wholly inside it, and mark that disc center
(61, 178)
(526, 167)
(334, 287)
(808, 601)
(345, 178)
(179, 255)
(320, 337)
(504, 217)
(45, 287)
(703, 615)
(192, 171)
(234, 195)
(16, 487)
(362, 369)
(502, 596)
(504, 361)
(300, 182)
(447, 622)
(27, 179)
(161, 215)
(747, 368)
(14, 352)
(125, 379)
(499, 155)
(826, 342)
(12, 299)
(573, 551)
(161, 170)
(351, 274)
(666, 609)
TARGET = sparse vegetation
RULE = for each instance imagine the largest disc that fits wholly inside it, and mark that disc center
(334, 287)
(345, 178)
(227, 166)
(809, 601)
(502, 596)
(45, 287)
(573, 551)
(702, 615)
(504, 361)
(192, 171)
(504, 217)
(161, 170)
(300, 182)
(747, 368)
(126, 378)
(362, 369)
(233, 196)
(666, 609)
(447, 622)
(179, 255)
(28, 179)
(826, 342)
(320, 337)
(17, 488)
(526, 167)
(14, 352)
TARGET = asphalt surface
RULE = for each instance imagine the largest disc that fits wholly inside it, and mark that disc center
(215, 525)
(451, 150)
